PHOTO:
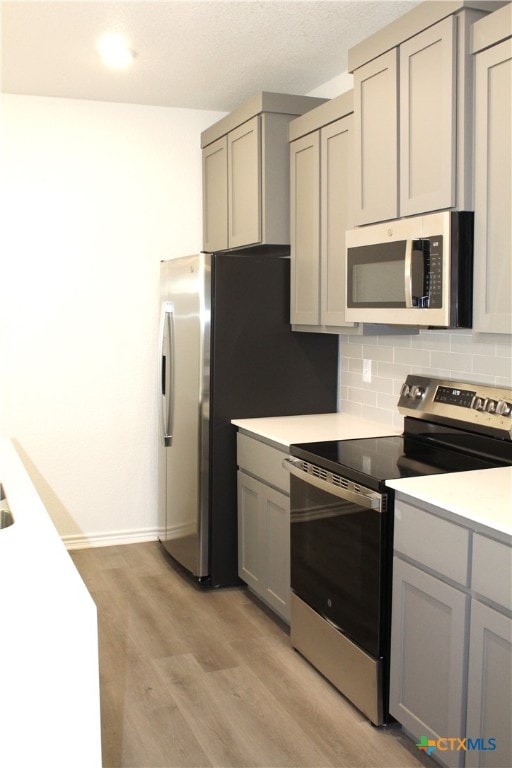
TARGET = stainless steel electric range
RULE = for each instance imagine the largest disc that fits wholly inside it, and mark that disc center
(342, 525)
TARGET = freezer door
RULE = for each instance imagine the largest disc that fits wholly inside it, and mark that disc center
(184, 333)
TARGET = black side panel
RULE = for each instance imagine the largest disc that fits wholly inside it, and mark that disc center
(260, 367)
(461, 288)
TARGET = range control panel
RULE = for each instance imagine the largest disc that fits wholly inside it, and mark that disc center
(454, 396)
(478, 406)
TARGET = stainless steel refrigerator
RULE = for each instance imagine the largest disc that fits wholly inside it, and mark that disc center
(227, 351)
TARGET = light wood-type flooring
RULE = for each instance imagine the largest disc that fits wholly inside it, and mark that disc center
(193, 677)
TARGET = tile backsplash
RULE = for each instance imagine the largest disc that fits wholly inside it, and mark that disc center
(453, 354)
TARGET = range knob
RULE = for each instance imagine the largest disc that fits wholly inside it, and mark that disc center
(491, 406)
(503, 408)
(479, 403)
(406, 390)
(417, 392)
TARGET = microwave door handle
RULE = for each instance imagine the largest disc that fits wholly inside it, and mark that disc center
(370, 500)
(167, 371)
(415, 266)
(408, 273)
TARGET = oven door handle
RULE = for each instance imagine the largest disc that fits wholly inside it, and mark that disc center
(369, 500)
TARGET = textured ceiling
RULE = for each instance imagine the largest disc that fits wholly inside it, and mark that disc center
(203, 54)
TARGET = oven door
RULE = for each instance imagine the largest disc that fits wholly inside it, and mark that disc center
(339, 553)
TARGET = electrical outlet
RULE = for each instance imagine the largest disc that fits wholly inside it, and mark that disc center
(367, 371)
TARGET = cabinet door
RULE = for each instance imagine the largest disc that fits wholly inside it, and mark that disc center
(337, 216)
(428, 656)
(264, 542)
(215, 195)
(251, 531)
(489, 687)
(428, 119)
(277, 520)
(493, 190)
(244, 184)
(376, 139)
(305, 229)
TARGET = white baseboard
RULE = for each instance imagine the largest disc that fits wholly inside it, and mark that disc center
(111, 539)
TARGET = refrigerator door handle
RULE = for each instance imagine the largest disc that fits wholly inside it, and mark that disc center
(167, 372)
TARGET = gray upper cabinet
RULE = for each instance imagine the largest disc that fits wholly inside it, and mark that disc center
(428, 119)
(244, 184)
(376, 139)
(413, 113)
(336, 216)
(492, 311)
(215, 195)
(305, 229)
(321, 172)
(246, 173)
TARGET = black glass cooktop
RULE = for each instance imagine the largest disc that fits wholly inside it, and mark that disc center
(373, 460)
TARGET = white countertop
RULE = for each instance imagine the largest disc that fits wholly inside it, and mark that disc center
(482, 496)
(312, 428)
(49, 679)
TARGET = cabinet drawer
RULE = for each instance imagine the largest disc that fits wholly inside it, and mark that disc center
(491, 558)
(263, 461)
(432, 541)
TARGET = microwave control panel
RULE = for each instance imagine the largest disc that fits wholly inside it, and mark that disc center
(432, 248)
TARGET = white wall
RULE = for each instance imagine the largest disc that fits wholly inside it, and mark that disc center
(94, 195)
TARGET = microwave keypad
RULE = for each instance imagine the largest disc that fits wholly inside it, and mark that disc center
(434, 272)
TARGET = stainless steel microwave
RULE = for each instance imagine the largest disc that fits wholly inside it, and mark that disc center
(414, 271)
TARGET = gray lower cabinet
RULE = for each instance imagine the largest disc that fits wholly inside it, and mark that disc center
(418, 90)
(493, 170)
(429, 614)
(451, 637)
(489, 711)
(489, 686)
(264, 523)
(428, 655)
